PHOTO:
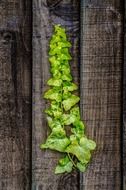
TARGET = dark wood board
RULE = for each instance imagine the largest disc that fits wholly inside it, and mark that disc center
(124, 106)
(46, 13)
(15, 94)
(101, 90)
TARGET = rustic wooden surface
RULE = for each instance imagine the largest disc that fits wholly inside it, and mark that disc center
(46, 13)
(124, 107)
(101, 90)
(15, 94)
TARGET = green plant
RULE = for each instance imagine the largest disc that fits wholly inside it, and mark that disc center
(64, 111)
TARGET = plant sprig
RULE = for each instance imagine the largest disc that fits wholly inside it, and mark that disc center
(64, 111)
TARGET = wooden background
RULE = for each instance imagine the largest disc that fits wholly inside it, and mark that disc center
(15, 94)
(96, 30)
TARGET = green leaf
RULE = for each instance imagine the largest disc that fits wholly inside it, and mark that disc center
(66, 95)
(57, 140)
(55, 72)
(87, 143)
(56, 144)
(53, 94)
(58, 132)
(66, 51)
(60, 31)
(63, 57)
(64, 165)
(81, 149)
(54, 61)
(66, 77)
(55, 39)
(49, 111)
(75, 111)
(54, 82)
(69, 86)
(55, 109)
(79, 132)
(56, 50)
(49, 120)
(73, 139)
(68, 119)
(65, 64)
(60, 44)
(64, 44)
(82, 167)
(71, 101)
(53, 123)
(80, 152)
(73, 118)
(65, 70)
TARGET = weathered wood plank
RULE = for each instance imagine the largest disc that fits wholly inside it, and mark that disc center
(45, 14)
(15, 94)
(101, 82)
(124, 106)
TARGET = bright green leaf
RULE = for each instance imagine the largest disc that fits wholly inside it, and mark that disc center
(54, 61)
(57, 140)
(60, 31)
(53, 94)
(78, 128)
(71, 101)
(87, 143)
(64, 44)
(65, 165)
(54, 110)
(53, 123)
(69, 86)
(68, 119)
(54, 82)
(75, 111)
(82, 154)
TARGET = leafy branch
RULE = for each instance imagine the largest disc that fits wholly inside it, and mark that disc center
(64, 111)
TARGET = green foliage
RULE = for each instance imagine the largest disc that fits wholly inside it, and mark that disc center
(65, 165)
(64, 111)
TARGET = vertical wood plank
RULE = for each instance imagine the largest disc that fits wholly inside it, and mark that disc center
(46, 13)
(101, 82)
(124, 106)
(15, 94)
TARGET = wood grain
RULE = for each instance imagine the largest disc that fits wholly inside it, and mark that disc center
(46, 13)
(15, 94)
(101, 90)
(124, 106)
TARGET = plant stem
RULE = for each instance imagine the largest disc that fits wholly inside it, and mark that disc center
(71, 160)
